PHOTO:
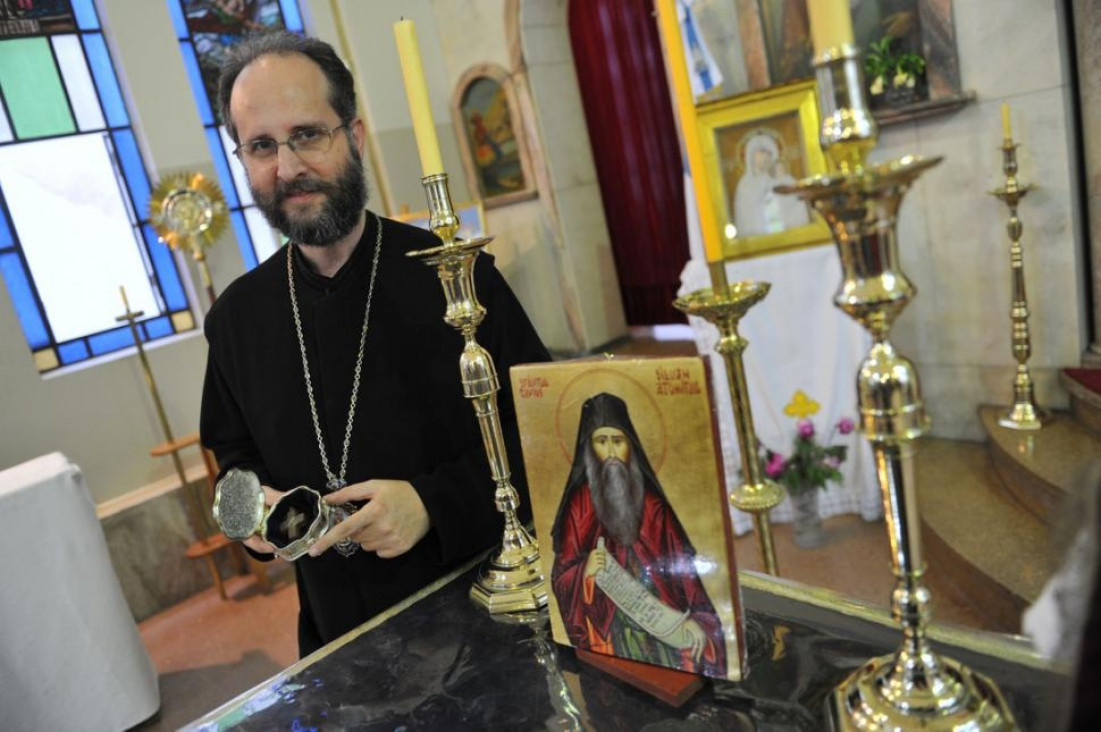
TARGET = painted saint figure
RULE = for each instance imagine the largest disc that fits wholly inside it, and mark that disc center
(758, 209)
(624, 570)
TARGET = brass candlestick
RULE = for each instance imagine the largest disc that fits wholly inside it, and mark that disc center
(1025, 414)
(194, 510)
(756, 495)
(511, 580)
(913, 687)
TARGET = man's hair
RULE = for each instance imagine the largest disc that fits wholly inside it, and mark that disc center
(342, 91)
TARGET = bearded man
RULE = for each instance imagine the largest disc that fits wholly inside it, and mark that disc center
(330, 365)
(624, 570)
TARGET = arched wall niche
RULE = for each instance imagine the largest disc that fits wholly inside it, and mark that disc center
(492, 139)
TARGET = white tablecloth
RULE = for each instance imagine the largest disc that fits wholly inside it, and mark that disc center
(70, 654)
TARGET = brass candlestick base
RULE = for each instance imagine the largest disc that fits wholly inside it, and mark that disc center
(1025, 414)
(914, 687)
(512, 579)
(867, 699)
(756, 495)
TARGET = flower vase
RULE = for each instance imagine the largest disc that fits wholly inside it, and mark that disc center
(808, 524)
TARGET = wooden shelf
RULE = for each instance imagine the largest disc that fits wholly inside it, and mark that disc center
(887, 116)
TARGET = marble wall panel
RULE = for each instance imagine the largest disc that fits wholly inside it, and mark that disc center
(542, 12)
(589, 252)
(147, 543)
(596, 310)
(530, 266)
(547, 45)
(965, 231)
(562, 125)
(460, 22)
(1009, 47)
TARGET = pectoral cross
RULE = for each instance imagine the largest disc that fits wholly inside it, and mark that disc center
(292, 522)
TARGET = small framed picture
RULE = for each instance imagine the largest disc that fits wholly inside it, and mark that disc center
(751, 144)
(630, 511)
(490, 131)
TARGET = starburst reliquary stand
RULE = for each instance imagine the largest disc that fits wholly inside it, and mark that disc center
(915, 687)
(512, 579)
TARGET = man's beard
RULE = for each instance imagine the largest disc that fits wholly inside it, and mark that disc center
(617, 491)
(344, 201)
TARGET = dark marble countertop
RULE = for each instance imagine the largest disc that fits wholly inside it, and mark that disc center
(440, 662)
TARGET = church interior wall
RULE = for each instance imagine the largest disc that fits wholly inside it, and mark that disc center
(589, 271)
(952, 234)
(554, 249)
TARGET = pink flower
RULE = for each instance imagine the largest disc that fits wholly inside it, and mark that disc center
(845, 426)
(805, 428)
(831, 462)
(776, 465)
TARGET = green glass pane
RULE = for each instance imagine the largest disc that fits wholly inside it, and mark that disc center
(33, 89)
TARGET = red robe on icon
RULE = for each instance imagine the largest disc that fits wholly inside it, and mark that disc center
(661, 558)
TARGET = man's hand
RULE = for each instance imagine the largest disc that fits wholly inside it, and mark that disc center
(391, 523)
(598, 558)
(256, 542)
(690, 637)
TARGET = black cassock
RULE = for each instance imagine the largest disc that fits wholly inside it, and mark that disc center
(411, 423)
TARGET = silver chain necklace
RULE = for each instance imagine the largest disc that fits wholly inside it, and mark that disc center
(336, 481)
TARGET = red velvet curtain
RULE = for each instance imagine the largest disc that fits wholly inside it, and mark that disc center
(617, 52)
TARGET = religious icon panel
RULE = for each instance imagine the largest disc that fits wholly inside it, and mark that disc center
(752, 144)
(630, 511)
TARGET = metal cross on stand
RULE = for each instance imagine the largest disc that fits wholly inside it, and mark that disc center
(195, 512)
(207, 541)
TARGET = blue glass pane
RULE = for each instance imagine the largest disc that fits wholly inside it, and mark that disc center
(178, 21)
(26, 309)
(221, 165)
(158, 328)
(136, 179)
(191, 63)
(111, 340)
(292, 19)
(85, 13)
(106, 82)
(165, 267)
(5, 232)
(244, 241)
(72, 352)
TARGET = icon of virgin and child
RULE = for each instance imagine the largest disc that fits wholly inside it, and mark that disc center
(757, 208)
(624, 573)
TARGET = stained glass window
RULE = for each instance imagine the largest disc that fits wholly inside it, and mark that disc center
(74, 191)
(206, 29)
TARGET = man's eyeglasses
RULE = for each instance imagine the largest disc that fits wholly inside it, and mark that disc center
(306, 142)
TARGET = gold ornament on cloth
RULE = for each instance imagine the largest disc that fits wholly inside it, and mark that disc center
(188, 210)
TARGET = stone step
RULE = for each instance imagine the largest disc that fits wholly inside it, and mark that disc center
(980, 542)
(1084, 387)
(1040, 466)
